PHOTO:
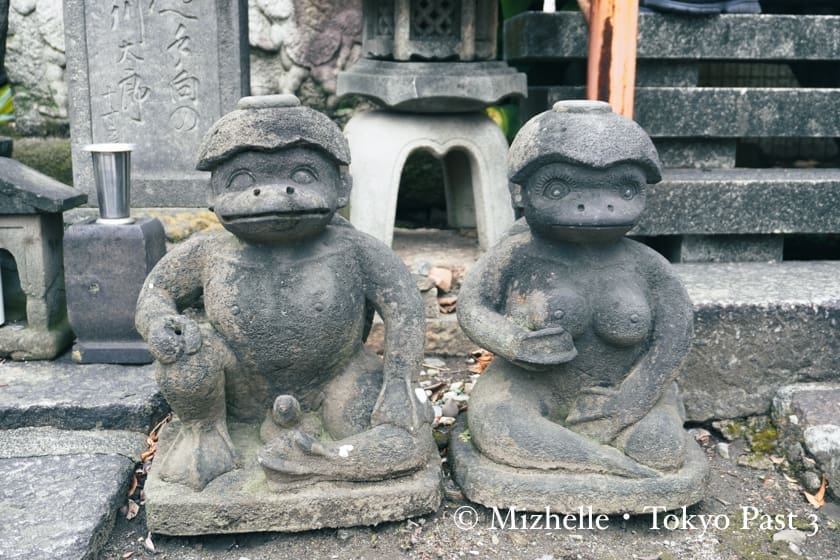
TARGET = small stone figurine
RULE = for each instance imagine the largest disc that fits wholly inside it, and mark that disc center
(580, 406)
(285, 420)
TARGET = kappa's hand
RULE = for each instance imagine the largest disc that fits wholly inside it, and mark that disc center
(172, 336)
(545, 347)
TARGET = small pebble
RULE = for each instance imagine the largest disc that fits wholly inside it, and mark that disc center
(450, 408)
(434, 363)
(446, 421)
(421, 267)
(793, 536)
(723, 450)
(811, 481)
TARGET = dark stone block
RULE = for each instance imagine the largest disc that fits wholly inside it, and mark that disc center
(696, 152)
(680, 112)
(742, 201)
(105, 266)
(731, 248)
(651, 73)
(541, 36)
(79, 397)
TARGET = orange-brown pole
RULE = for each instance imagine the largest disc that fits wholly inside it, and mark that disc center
(611, 70)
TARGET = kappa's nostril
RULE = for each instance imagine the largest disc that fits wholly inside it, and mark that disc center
(256, 192)
(610, 207)
(290, 190)
(581, 207)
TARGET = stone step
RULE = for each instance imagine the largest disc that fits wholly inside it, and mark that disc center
(536, 36)
(742, 201)
(61, 489)
(729, 112)
(758, 326)
(70, 396)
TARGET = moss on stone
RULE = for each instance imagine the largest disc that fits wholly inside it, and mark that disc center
(50, 155)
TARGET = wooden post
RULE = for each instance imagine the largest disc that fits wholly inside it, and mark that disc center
(611, 69)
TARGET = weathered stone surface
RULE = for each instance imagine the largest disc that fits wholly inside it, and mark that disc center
(60, 506)
(758, 327)
(26, 191)
(242, 501)
(105, 266)
(541, 36)
(79, 397)
(730, 248)
(666, 73)
(714, 153)
(432, 87)
(742, 201)
(808, 418)
(496, 485)
(439, 30)
(720, 112)
(274, 391)
(45, 441)
(155, 78)
(579, 406)
(471, 148)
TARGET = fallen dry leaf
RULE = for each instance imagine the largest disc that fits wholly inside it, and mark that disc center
(133, 485)
(817, 500)
(790, 479)
(127, 555)
(133, 510)
(442, 277)
(447, 304)
(149, 543)
(776, 459)
(482, 359)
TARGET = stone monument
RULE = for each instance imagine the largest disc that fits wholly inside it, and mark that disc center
(31, 230)
(106, 261)
(579, 407)
(155, 74)
(431, 64)
(285, 420)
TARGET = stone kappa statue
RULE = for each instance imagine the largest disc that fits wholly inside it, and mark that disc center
(274, 390)
(580, 406)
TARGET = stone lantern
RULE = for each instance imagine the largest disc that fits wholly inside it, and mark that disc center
(431, 65)
(462, 30)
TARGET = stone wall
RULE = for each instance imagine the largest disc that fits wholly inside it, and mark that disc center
(297, 46)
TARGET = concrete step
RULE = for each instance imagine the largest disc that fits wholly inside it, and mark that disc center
(61, 489)
(729, 112)
(742, 201)
(758, 326)
(70, 396)
(537, 36)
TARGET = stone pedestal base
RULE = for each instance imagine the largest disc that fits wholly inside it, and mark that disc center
(496, 485)
(105, 266)
(473, 151)
(241, 501)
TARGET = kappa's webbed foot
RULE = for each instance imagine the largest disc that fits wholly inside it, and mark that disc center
(200, 453)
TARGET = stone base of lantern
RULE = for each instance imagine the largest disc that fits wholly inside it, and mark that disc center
(473, 151)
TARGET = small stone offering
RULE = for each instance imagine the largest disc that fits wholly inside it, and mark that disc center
(580, 406)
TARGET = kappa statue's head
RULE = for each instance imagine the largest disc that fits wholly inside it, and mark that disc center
(579, 172)
(278, 169)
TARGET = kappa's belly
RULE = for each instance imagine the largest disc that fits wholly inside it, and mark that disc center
(279, 321)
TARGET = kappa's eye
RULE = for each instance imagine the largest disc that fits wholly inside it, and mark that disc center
(303, 176)
(555, 189)
(628, 192)
(240, 180)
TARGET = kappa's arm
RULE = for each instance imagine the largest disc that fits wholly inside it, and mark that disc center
(173, 284)
(478, 303)
(392, 290)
